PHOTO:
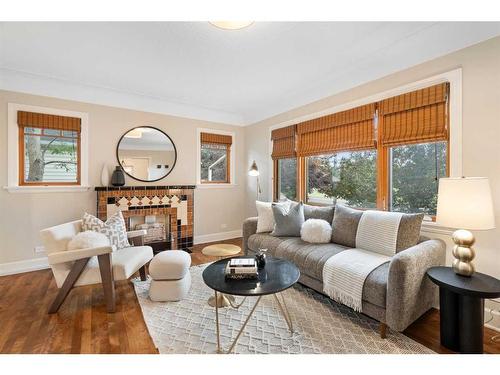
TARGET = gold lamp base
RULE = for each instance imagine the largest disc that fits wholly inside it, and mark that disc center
(463, 252)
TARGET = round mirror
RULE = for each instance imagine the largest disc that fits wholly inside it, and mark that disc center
(146, 153)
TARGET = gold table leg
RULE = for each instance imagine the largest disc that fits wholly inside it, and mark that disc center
(283, 308)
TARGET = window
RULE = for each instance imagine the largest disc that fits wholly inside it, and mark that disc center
(215, 156)
(287, 178)
(414, 174)
(348, 177)
(49, 149)
(387, 155)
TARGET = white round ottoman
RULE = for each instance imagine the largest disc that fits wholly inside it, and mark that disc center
(170, 275)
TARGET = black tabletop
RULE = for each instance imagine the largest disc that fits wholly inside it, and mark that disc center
(276, 276)
(477, 285)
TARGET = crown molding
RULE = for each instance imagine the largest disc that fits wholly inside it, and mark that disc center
(14, 80)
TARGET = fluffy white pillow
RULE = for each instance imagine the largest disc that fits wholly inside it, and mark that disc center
(88, 239)
(265, 220)
(316, 231)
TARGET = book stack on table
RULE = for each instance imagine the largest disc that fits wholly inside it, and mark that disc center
(241, 268)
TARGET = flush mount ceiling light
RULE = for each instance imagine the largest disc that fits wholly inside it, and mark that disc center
(231, 25)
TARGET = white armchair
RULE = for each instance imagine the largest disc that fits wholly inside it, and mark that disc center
(92, 266)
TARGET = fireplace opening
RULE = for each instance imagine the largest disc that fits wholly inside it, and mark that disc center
(158, 230)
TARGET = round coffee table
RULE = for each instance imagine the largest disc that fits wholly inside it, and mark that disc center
(277, 276)
(221, 250)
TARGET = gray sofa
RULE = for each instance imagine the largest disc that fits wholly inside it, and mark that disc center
(395, 294)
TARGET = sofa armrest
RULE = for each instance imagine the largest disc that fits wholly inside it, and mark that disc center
(249, 228)
(409, 292)
(72, 255)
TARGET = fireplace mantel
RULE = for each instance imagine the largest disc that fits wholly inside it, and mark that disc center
(176, 202)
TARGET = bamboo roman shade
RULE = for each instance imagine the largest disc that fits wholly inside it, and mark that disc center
(415, 117)
(46, 121)
(284, 142)
(218, 139)
(348, 130)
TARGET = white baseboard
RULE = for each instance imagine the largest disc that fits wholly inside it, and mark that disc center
(23, 266)
(204, 238)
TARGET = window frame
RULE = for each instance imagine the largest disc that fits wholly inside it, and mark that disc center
(231, 152)
(22, 159)
(13, 152)
(454, 142)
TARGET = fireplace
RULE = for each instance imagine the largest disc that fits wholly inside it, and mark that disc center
(165, 212)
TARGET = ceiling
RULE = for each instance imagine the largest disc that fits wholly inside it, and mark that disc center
(196, 70)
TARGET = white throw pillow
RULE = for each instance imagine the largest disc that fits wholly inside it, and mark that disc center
(265, 221)
(316, 231)
(114, 228)
(88, 239)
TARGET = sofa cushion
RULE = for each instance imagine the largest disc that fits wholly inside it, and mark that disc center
(288, 221)
(264, 241)
(317, 212)
(375, 287)
(310, 258)
(345, 226)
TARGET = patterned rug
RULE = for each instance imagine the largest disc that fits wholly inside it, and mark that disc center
(321, 325)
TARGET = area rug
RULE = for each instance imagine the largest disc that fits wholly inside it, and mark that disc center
(321, 325)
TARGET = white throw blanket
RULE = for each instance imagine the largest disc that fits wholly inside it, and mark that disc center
(344, 274)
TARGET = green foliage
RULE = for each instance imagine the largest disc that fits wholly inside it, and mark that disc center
(351, 177)
(348, 176)
(288, 178)
(416, 170)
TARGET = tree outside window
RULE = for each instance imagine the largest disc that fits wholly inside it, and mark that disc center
(348, 177)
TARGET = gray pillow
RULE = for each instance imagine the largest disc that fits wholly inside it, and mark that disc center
(409, 231)
(345, 225)
(288, 221)
(317, 212)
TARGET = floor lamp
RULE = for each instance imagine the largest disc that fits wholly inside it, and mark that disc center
(254, 171)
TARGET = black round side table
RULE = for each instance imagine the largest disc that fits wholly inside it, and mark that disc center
(461, 301)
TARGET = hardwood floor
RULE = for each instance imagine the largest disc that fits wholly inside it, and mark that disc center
(82, 325)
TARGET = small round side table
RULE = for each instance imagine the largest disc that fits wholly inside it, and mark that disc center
(221, 250)
(461, 302)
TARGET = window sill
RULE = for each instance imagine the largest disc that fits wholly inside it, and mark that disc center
(46, 189)
(215, 186)
(432, 227)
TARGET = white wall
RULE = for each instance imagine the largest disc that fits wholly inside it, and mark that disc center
(480, 130)
(22, 215)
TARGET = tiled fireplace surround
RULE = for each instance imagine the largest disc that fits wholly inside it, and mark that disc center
(173, 202)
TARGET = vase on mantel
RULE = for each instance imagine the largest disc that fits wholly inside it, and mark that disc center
(118, 177)
(105, 175)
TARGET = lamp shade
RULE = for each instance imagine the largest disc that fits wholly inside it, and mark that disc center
(465, 203)
(254, 170)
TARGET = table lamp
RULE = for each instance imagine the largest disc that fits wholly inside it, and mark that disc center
(465, 203)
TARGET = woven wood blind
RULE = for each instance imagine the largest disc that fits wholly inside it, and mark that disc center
(284, 142)
(46, 121)
(343, 131)
(218, 139)
(415, 117)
